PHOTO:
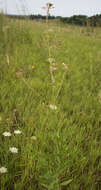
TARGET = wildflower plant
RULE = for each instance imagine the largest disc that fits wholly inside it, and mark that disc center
(48, 7)
(54, 67)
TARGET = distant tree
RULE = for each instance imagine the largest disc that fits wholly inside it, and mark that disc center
(81, 20)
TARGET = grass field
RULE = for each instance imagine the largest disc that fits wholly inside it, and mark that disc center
(50, 90)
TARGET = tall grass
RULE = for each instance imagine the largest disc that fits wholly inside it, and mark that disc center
(58, 149)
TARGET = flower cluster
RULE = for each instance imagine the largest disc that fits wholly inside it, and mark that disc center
(53, 107)
(13, 150)
(17, 132)
(3, 170)
(8, 134)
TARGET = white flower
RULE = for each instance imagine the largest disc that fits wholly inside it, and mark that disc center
(3, 170)
(13, 149)
(7, 134)
(17, 132)
(53, 107)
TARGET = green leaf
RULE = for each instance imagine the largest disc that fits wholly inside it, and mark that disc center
(66, 182)
(44, 185)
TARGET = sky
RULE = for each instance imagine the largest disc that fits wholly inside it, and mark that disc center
(63, 8)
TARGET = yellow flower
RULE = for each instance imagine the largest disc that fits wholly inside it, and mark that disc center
(33, 67)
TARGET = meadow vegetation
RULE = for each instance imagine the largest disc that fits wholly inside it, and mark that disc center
(50, 106)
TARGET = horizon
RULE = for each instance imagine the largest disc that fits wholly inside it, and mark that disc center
(63, 9)
(52, 15)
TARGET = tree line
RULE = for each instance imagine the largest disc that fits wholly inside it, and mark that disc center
(81, 20)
